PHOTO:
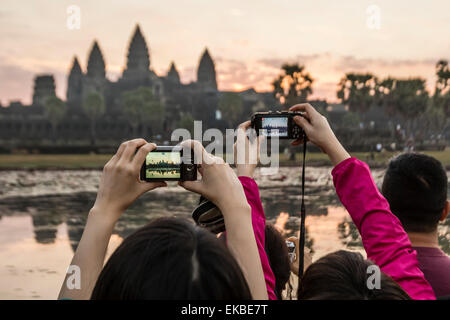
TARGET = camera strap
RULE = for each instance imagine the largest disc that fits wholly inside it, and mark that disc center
(302, 220)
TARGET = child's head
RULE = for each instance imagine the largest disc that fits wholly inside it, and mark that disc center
(415, 185)
(343, 275)
(277, 254)
(171, 259)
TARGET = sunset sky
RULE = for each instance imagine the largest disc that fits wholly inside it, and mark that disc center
(249, 40)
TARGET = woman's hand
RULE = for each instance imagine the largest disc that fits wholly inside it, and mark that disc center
(246, 151)
(219, 183)
(120, 184)
(319, 132)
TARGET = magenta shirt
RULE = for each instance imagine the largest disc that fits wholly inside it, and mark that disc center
(384, 239)
(435, 265)
(259, 226)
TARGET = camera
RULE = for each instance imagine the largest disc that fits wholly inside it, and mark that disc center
(277, 124)
(291, 250)
(167, 163)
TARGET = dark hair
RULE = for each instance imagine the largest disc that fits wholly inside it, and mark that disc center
(415, 185)
(171, 258)
(342, 275)
(277, 254)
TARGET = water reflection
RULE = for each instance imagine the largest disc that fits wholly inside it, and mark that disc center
(282, 207)
(38, 234)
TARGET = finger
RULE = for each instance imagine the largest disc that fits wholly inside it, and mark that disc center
(303, 107)
(142, 153)
(194, 186)
(200, 154)
(147, 186)
(303, 123)
(245, 125)
(111, 162)
(200, 169)
(131, 148)
(297, 142)
(120, 150)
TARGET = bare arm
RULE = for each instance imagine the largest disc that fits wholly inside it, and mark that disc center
(119, 188)
(220, 185)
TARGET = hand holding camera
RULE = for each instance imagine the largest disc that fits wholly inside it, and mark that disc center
(246, 150)
(318, 131)
(120, 185)
(219, 183)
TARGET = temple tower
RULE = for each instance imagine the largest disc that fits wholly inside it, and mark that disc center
(206, 73)
(75, 84)
(138, 58)
(44, 87)
(96, 63)
(173, 75)
(95, 79)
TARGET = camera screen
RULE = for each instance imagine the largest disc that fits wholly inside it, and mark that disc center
(163, 165)
(274, 127)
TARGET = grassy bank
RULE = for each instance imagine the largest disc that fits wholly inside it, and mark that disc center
(95, 161)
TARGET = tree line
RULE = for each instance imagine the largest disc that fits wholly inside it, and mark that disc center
(404, 99)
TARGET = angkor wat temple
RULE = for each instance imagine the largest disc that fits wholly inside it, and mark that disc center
(28, 126)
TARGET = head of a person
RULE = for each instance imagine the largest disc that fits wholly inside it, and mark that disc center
(277, 254)
(171, 258)
(344, 275)
(415, 185)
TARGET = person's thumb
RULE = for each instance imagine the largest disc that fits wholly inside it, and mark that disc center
(147, 186)
(194, 186)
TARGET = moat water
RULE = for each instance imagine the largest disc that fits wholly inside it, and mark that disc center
(42, 216)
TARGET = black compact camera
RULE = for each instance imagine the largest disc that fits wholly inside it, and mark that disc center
(169, 164)
(278, 124)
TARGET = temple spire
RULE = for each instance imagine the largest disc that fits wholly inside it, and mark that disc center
(206, 73)
(96, 63)
(138, 58)
(75, 82)
(173, 74)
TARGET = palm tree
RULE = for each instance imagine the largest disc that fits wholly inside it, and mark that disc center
(407, 99)
(94, 107)
(293, 86)
(142, 109)
(55, 109)
(357, 91)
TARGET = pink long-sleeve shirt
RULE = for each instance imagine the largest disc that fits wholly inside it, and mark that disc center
(259, 228)
(384, 239)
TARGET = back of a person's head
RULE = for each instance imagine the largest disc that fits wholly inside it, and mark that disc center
(415, 185)
(277, 254)
(343, 275)
(171, 259)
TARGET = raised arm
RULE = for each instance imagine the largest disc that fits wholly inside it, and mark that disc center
(220, 185)
(246, 159)
(119, 188)
(384, 239)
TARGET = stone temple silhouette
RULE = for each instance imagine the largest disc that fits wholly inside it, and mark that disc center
(29, 126)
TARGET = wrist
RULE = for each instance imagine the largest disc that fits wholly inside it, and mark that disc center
(235, 208)
(104, 216)
(245, 172)
(335, 151)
